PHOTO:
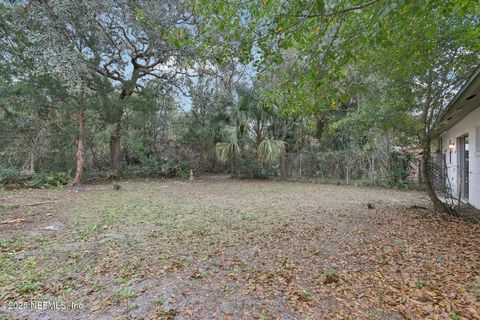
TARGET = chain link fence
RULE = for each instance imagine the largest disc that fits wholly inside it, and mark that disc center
(391, 169)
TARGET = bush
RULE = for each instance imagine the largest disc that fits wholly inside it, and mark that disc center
(184, 168)
(42, 180)
(9, 175)
(183, 173)
(398, 175)
(93, 173)
(152, 167)
(250, 168)
(162, 168)
(12, 176)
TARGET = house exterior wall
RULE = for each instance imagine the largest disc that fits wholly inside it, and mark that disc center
(469, 125)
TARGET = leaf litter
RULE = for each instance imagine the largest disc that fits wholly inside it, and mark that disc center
(221, 248)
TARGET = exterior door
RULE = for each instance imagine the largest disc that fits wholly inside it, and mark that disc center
(464, 169)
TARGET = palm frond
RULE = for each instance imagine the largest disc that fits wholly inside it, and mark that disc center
(270, 150)
(226, 151)
(230, 134)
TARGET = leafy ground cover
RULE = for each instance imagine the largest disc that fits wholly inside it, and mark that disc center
(217, 248)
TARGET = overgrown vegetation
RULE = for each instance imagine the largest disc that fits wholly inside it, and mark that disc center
(292, 90)
(13, 178)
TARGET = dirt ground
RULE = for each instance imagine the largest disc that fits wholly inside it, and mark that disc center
(217, 248)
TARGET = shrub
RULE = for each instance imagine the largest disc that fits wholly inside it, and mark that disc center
(43, 180)
(13, 178)
(184, 167)
(93, 173)
(398, 175)
(152, 167)
(250, 168)
(183, 173)
(9, 175)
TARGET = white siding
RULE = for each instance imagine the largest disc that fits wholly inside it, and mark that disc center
(469, 125)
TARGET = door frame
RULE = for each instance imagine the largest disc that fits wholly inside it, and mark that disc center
(463, 183)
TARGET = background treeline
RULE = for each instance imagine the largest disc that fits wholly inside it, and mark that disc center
(310, 89)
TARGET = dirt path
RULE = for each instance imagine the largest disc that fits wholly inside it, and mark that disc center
(225, 249)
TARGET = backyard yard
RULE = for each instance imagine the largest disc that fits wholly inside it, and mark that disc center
(218, 248)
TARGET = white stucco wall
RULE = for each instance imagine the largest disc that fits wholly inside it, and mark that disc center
(471, 125)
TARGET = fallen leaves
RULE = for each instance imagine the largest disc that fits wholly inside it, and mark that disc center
(272, 250)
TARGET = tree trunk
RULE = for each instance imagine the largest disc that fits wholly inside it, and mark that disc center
(115, 150)
(115, 147)
(425, 139)
(438, 205)
(32, 162)
(78, 180)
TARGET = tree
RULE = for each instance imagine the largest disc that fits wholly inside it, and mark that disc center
(248, 126)
(429, 68)
(426, 49)
(120, 45)
(80, 155)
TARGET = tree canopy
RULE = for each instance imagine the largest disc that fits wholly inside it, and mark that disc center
(226, 85)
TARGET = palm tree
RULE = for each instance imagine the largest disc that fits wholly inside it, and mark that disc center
(248, 123)
(270, 150)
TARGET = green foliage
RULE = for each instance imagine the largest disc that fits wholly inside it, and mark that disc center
(331, 276)
(158, 167)
(398, 175)
(250, 168)
(9, 175)
(156, 163)
(183, 173)
(124, 293)
(153, 167)
(43, 180)
(227, 151)
(271, 150)
(93, 173)
(276, 80)
(29, 287)
(12, 177)
(304, 295)
(159, 300)
(116, 186)
(454, 316)
(419, 283)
